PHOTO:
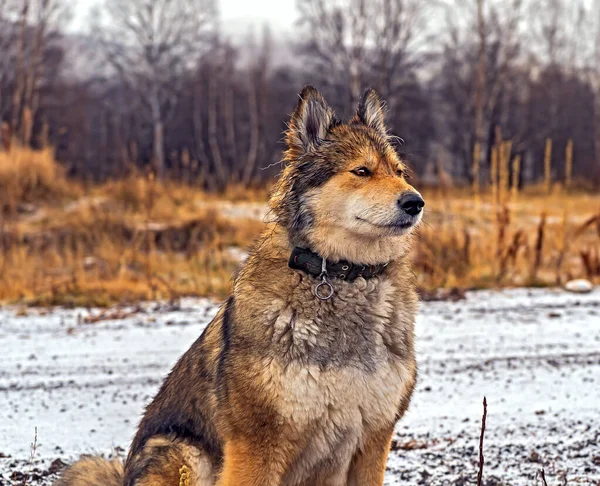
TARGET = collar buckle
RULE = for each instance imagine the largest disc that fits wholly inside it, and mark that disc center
(324, 284)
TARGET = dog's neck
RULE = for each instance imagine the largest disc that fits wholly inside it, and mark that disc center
(315, 265)
(269, 260)
(277, 244)
(336, 245)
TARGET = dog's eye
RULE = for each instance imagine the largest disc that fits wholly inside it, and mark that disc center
(401, 173)
(362, 172)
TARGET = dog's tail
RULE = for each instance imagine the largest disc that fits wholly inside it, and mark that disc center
(93, 471)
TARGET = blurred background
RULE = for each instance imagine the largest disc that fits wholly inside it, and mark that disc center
(139, 140)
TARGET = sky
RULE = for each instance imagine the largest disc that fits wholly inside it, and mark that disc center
(237, 16)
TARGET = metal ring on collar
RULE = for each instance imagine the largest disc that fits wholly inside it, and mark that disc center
(324, 297)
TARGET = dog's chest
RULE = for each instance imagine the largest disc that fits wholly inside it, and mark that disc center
(343, 400)
(347, 331)
(338, 381)
(334, 411)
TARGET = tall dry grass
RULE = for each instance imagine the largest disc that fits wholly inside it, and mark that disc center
(548, 166)
(516, 172)
(139, 238)
(568, 163)
(530, 241)
(28, 176)
(126, 240)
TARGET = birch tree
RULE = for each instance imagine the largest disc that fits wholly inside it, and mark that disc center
(151, 44)
(363, 42)
(47, 19)
(481, 48)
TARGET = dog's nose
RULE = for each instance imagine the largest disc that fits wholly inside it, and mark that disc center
(411, 203)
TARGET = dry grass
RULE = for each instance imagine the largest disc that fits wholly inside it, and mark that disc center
(123, 241)
(27, 176)
(137, 238)
(536, 240)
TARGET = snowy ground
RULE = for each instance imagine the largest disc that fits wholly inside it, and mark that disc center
(535, 354)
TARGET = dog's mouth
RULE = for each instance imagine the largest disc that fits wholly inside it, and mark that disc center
(394, 226)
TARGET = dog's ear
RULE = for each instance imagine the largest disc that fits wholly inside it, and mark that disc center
(372, 110)
(310, 122)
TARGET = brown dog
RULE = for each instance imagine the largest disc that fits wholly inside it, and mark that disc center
(303, 373)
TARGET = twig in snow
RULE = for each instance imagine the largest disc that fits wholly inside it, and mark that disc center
(33, 449)
(542, 475)
(480, 473)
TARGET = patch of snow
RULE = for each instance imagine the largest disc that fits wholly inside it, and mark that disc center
(535, 355)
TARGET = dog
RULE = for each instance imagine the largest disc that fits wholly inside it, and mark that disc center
(302, 375)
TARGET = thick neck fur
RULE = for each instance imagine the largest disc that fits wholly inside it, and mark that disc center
(336, 244)
(352, 327)
(271, 254)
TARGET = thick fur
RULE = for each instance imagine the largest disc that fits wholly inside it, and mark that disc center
(93, 471)
(283, 388)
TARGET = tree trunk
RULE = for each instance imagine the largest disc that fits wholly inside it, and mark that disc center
(158, 144)
(254, 130)
(597, 141)
(355, 82)
(480, 86)
(229, 116)
(597, 99)
(20, 74)
(213, 133)
(33, 75)
(200, 148)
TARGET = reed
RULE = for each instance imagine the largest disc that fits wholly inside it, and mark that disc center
(476, 185)
(494, 174)
(568, 164)
(516, 172)
(548, 166)
(505, 152)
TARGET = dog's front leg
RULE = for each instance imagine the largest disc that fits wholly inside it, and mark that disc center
(368, 464)
(250, 463)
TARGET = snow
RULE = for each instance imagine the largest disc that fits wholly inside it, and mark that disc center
(535, 355)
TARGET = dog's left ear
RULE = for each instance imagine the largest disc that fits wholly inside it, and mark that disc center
(310, 122)
(372, 110)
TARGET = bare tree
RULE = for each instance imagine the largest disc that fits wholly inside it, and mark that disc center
(257, 81)
(480, 83)
(400, 36)
(7, 43)
(337, 40)
(479, 55)
(27, 29)
(213, 130)
(352, 39)
(152, 44)
(516, 64)
(557, 31)
(596, 85)
(20, 66)
(47, 17)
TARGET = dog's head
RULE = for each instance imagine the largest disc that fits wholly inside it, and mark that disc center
(343, 192)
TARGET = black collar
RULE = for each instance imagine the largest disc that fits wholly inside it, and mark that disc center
(311, 263)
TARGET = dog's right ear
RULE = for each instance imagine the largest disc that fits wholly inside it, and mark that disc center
(310, 122)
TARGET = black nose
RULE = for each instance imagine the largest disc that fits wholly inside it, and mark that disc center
(411, 203)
